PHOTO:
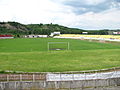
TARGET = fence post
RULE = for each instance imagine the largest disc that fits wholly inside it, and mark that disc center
(20, 77)
(84, 81)
(116, 74)
(85, 75)
(96, 79)
(44, 85)
(73, 76)
(7, 78)
(33, 77)
(60, 77)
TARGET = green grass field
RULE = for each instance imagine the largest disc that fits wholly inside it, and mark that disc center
(32, 55)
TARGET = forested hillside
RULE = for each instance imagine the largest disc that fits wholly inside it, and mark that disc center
(17, 28)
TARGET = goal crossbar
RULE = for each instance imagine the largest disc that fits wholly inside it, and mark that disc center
(67, 43)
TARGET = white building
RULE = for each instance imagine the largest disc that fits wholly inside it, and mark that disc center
(116, 32)
(84, 32)
(54, 33)
(36, 36)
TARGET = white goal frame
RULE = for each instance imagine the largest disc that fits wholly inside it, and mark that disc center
(48, 45)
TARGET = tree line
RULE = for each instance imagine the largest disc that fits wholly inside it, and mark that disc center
(16, 28)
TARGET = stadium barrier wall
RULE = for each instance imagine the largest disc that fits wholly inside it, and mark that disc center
(61, 81)
(104, 84)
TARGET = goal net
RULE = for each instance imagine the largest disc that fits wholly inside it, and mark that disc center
(58, 46)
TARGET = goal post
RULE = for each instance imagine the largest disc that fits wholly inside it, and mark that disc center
(55, 46)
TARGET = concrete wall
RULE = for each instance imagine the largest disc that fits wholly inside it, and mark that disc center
(103, 84)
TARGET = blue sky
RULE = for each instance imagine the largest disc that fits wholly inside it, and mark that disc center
(83, 14)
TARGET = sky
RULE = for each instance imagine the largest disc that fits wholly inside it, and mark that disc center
(83, 14)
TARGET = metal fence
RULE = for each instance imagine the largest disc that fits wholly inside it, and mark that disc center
(22, 77)
(59, 76)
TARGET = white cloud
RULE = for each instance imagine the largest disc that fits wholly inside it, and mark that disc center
(94, 2)
(47, 11)
(104, 20)
(33, 11)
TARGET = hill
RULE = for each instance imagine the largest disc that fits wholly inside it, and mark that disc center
(21, 29)
(13, 28)
(48, 28)
(17, 29)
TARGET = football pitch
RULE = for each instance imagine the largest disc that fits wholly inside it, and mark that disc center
(32, 55)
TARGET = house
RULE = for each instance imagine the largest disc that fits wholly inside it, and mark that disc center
(116, 33)
(54, 33)
(84, 32)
